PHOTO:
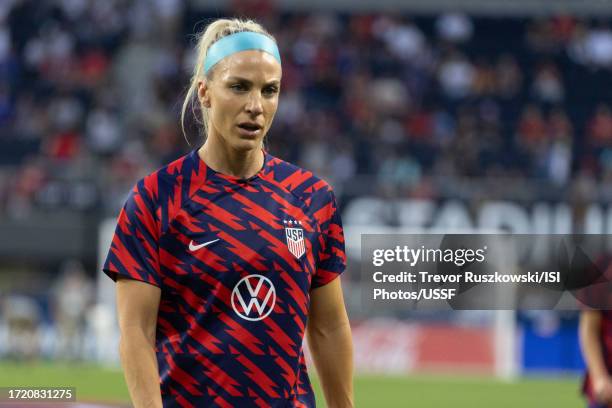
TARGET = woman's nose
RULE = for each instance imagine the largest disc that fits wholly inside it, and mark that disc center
(254, 105)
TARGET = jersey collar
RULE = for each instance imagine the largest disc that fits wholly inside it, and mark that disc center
(215, 176)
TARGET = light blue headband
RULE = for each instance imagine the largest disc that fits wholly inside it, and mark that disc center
(242, 41)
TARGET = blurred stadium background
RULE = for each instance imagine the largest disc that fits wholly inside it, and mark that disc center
(440, 115)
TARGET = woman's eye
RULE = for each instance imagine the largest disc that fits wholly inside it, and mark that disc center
(238, 87)
(271, 90)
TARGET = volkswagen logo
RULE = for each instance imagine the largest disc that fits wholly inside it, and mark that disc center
(253, 297)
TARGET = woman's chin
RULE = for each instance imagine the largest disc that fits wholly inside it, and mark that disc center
(244, 143)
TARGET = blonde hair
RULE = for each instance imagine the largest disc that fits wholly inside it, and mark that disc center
(214, 32)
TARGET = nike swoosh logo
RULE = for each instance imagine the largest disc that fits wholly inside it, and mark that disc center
(194, 247)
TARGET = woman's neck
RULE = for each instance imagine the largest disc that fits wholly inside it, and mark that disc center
(236, 163)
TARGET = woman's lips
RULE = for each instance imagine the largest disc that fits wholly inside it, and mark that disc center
(249, 132)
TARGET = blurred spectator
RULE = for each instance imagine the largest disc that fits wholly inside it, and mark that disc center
(560, 126)
(168, 13)
(559, 161)
(541, 37)
(31, 119)
(398, 172)
(466, 147)
(343, 167)
(576, 47)
(456, 76)
(291, 110)
(598, 46)
(420, 126)
(402, 38)
(24, 186)
(554, 157)
(66, 111)
(103, 131)
(599, 127)
(547, 85)
(531, 129)
(72, 296)
(388, 96)
(64, 145)
(563, 27)
(484, 80)
(509, 77)
(454, 27)
(22, 315)
(391, 133)
(443, 127)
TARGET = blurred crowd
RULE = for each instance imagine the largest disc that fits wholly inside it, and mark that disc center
(57, 321)
(90, 94)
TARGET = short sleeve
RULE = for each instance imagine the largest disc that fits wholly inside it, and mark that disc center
(332, 258)
(134, 249)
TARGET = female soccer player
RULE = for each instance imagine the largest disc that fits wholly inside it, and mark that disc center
(231, 254)
(596, 339)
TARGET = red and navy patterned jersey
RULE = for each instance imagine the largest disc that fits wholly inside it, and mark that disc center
(605, 336)
(236, 260)
(599, 296)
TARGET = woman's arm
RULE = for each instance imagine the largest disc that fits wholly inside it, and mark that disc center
(331, 345)
(590, 329)
(137, 307)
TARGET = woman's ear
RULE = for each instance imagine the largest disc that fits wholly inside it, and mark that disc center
(204, 94)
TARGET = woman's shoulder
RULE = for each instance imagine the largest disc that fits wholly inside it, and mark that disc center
(297, 180)
(172, 181)
(316, 193)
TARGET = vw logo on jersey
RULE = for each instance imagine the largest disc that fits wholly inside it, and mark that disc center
(295, 238)
(253, 297)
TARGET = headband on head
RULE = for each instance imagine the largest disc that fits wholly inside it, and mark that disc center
(242, 41)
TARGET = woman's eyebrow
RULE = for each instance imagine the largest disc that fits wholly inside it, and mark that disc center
(249, 82)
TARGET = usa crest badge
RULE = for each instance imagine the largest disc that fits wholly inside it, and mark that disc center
(295, 237)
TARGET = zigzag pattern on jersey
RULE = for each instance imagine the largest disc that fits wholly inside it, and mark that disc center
(200, 340)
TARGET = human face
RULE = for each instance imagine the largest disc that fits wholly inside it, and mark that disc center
(242, 98)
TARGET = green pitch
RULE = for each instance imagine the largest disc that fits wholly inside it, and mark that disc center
(98, 384)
